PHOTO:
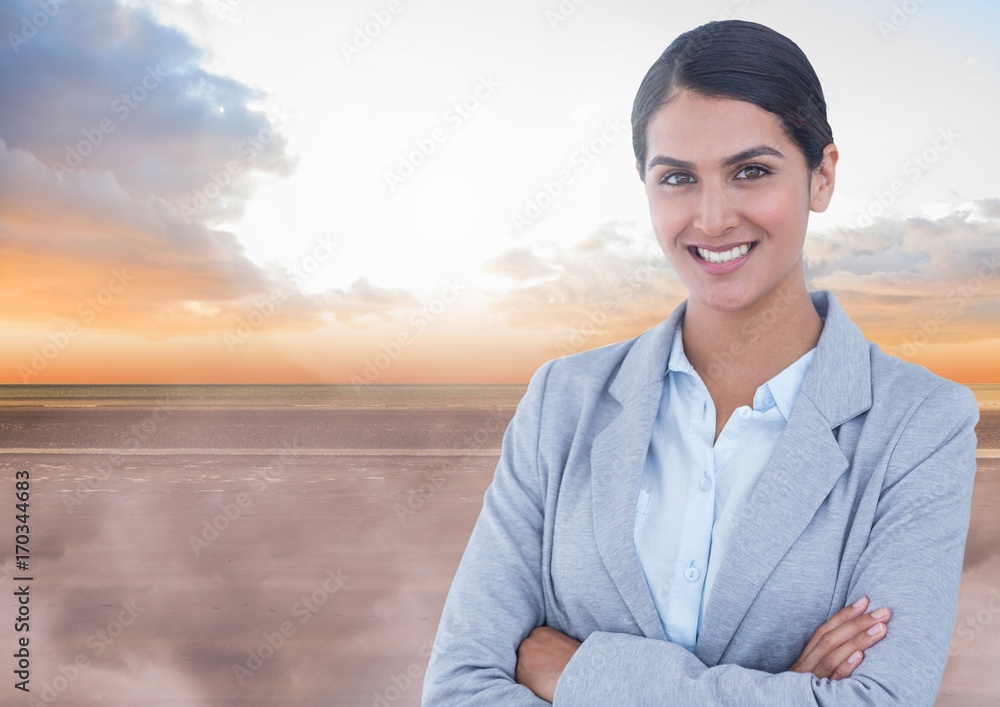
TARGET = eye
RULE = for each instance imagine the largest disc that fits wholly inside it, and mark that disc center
(677, 179)
(752, 172)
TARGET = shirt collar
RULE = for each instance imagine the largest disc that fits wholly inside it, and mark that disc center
(677, 361)
(784, 387)
(781, 390)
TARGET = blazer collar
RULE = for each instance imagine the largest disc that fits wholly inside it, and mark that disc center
(838, 380)
(805, 464)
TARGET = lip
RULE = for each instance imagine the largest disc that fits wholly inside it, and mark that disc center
(722, 268)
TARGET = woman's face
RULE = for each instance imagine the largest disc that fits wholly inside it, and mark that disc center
(721, 174)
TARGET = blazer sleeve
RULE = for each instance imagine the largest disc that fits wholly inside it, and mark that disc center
(496, 597)
(912, 564)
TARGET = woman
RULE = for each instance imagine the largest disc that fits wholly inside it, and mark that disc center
(705, 514)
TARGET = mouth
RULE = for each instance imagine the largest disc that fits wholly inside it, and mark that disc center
(735, 253)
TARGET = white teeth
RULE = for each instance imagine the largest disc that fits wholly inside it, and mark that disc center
(725, 256)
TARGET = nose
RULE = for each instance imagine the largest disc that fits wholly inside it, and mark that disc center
(715, 212)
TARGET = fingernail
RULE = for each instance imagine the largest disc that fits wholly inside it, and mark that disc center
(859, 602)
(880, 614)
(855, 657)
(875, 630)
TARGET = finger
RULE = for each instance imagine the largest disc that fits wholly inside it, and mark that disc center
(833, 647)
(838, 645)
(856, 631)
(856, 655)
(849, 612)
(847, 668)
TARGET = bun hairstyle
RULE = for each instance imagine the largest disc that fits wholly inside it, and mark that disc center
(744, 61)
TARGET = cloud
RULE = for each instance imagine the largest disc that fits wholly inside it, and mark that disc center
(991, 208)
(82, 249)
(521, 264)
(119, 157)
(363, 298)
(612, 282)
(106, 88)
(897, 273)
(891, 276)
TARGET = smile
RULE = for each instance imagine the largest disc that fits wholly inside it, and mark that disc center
(725, 256)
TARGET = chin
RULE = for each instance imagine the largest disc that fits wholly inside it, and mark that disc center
(720, 300)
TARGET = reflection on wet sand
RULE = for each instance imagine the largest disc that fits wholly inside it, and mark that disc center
(293, 556)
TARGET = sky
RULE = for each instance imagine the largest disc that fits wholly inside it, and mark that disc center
(235, 191)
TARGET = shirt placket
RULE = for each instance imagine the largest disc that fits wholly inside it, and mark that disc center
(689, 575)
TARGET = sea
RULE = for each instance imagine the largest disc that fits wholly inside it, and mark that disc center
(320, 396)
(270, 397)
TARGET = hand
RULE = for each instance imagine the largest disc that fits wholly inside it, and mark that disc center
(541, 659)
(839, 641)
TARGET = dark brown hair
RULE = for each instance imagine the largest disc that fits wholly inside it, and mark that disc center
(745, 61)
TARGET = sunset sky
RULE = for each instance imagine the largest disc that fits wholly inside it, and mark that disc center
(226, 191)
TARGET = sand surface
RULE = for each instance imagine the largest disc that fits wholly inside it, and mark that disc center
(336, 535)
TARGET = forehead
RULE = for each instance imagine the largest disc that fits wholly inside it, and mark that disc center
(698, 129)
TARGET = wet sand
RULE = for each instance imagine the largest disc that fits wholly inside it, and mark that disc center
(988, 429)
(336, 535)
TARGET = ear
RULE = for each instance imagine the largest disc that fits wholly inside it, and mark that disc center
(822, 181)
(638, 169)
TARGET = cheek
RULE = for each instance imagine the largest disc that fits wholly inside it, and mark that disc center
(780, 212)
(668, 220)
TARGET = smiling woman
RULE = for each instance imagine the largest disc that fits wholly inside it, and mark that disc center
(705, 513)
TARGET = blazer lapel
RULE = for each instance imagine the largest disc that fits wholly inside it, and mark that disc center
(617, 458)
(803, 468)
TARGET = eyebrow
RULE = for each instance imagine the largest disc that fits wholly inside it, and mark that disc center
(748, 154)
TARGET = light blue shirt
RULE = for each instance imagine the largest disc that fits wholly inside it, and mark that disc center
(692, 490)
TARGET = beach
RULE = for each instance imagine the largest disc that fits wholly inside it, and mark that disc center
(294, 556)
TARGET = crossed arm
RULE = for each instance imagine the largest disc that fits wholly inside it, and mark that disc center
(493, 646)
(834, 651)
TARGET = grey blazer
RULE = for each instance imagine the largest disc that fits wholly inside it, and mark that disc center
(867, 492)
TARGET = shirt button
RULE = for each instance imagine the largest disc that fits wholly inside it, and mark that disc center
(705, 484)
(745, 412)
(692, 574)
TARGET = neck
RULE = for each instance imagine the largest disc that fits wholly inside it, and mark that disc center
(744, 349)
